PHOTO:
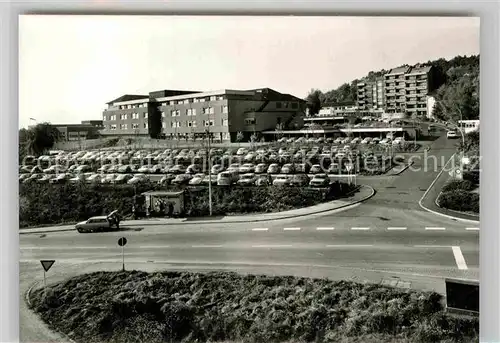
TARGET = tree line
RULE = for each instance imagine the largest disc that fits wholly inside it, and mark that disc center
(455, 88)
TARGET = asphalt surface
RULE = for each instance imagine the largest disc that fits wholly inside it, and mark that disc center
(388, 239)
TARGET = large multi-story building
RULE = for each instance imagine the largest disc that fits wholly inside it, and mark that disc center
(370, 94)
(189, 114)
(407, 88)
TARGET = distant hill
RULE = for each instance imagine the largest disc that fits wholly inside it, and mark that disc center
(456, 78)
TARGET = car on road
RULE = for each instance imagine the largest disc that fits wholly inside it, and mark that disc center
(247, 179)
(299, 180)
(282, 180)
(451, 134)
(263, 180)
(320, 180)
(274, 168)
(197, 179)
(138, 178)
(182, 179)
(166, 179)
(100, 223)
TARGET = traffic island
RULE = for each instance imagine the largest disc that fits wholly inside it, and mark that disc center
(135, 306)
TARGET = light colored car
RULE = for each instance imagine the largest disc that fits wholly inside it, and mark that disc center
(287, 169)
(197, 179)
(242, 151)
(122, 178)
(346, 140)
(320, 180)
(144, 169)
(234, 167)
(338, 140)
(54, 169)
(315, 169)
(210, 179)
(100, 223)
(193, 169)
(250, 157)
(166, 179)
(23, 177)
(385, 141)
(177, 169)
(366, 140)
(356, 140)
(397, 140)
(108, 178)
(282, 180)
(375, 140)
(46, 178)
(263, 180)
(94, 178)
(261, 168)
(247, 168)
(247, 179)
(282, 140)
(451, 134)
(274, 168)
(290, 140)
(217, 168)
(182, 179)
(226, 178)
(138, 178)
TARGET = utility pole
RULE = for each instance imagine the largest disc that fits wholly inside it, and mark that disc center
(209, 168)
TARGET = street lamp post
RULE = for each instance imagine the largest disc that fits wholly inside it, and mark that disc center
(209, 169)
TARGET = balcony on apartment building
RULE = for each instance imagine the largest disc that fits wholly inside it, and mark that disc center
(400, 100)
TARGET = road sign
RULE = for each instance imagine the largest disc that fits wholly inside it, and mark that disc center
(122, 241)
(46, 264)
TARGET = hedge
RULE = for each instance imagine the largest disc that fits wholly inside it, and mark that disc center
(169, 306)
(460, 200)
(43, 204)
(456, 185)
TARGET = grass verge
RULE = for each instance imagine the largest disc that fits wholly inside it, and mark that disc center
(136, 306)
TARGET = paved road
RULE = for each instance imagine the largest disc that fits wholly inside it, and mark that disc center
(388, 239)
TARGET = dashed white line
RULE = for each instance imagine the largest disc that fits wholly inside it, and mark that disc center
(396, 228)
(325, 228)
(472, 228)
(435, 228)
(360, 228)
(206, 246)
(291, 229)
(349, 245)
(260, 229)
(272, 246)
(459, 258)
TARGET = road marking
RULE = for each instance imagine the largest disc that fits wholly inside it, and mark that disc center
(272, 246)
(154, 246)
(291, 229)
(63, 248)
(206, 246)
(260, 229)
(435, 228)
(431, 246)
(396, 228)
(325, 228)
(472, 228)
(459, 258)
(360, 228)
(349, 245)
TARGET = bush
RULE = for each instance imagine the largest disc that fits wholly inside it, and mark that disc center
(471, 176)
(460, 200)
(43, 204)
(218, 306)
(456, 185)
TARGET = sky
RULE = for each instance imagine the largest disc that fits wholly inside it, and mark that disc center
(71, 66)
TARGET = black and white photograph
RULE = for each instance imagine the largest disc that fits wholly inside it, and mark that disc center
(222, 178)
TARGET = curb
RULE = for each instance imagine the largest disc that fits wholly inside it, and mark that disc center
(28, 301)
(455, 211)
(186, 222)
(439, 213)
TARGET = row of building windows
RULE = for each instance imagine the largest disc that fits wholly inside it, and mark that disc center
(134, 126)
(124, 107)
(192, 111)
(124, 116)
(193, 100)
(193, 123)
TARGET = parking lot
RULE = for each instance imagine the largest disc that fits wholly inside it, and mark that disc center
(289, 162)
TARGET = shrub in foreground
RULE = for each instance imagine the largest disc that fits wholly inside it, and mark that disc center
(460, 200)
(455, 185)
(188, 307)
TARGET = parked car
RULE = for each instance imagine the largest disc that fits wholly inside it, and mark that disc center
(54, 169)
(234, 167)
(282, 180)
(386, 141)
(144, 169)
(60, 178)
(451, 134)
(242, 151)
(104, 168)
(226, 178)
(263, 180)
(100, 223)
(247, 179)
(356, 140)
(397, 140)
(366, 140)
(210, 179)
(288, 169)
(302, 168)
(108, 178)
(23, 177)
(46, 178)
(274, 168)
(177, 169)
(217, 168)
(334, 168)
(261, 168)
(122, 178)
(33, 178)
(316, 169)
(193, 169)
(182, 179)
(247, 168)
(320, 180)
(299, 180)
(166, 179)
(94, 178)
(138, 178)
(197, 179)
